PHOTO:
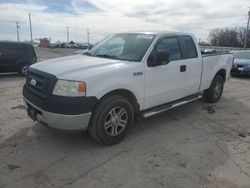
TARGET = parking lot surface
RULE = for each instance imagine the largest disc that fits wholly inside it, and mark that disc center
(196, 145)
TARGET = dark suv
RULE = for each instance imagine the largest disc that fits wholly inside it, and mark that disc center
(16, 57)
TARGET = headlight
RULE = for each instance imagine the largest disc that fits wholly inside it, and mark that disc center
(69, 88)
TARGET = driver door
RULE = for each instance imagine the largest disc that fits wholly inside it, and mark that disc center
(166, 82)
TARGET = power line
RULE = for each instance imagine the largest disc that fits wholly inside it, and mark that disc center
(48, 25)
(29, 26)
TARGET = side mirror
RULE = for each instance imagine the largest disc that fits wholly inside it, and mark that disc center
(158, 57)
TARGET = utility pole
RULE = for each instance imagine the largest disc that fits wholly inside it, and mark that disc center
(67, 34)
(75, 28)
(31, 39)
(88, 35)
(246, 34)
(17, 31)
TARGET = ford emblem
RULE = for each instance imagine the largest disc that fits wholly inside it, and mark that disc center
(33, 82)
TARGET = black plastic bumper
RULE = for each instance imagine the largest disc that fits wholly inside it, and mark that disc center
(238, 72)
(61, 104)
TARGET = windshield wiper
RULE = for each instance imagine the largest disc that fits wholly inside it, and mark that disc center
(107, 56)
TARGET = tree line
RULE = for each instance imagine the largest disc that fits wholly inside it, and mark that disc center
(229, 37)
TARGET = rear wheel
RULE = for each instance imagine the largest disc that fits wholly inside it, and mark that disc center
(214, 92)
(23, 70)
(111, 120)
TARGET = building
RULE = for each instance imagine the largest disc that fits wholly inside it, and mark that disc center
(44, 42)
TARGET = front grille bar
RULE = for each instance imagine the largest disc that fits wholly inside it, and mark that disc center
(44, 82)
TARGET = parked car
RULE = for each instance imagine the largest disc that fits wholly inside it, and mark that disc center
(241, 64)
(16, 57)
(62, 45)
(124, 76)
(69, 45)
(86, 46)
(76, 45)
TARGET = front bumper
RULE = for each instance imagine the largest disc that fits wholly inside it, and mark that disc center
(241, 71)
(64, 122)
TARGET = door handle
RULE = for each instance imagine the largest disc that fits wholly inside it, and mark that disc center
(183, 68)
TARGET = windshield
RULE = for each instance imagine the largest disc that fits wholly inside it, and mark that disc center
(125, 46)
(242, 55)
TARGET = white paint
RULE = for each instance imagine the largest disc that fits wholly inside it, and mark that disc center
(157, 85)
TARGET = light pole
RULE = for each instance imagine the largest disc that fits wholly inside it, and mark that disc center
(17, 31)
(31, 39)
(67, 34)
(75, 29)
(246, 34)
(88, 36)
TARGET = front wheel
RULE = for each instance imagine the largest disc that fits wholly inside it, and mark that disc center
(23, 70)
(214, 92)
(111, 120)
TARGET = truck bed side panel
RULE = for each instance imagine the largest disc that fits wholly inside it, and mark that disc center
(211, 65)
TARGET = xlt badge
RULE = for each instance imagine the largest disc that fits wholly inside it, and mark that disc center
(137, 73)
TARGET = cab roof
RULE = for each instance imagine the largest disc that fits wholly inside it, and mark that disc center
(159, 32)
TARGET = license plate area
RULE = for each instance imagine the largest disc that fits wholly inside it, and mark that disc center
(240, 68)
(32, 112)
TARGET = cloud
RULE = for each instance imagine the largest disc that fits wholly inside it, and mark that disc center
(82, 7)
(103, 17)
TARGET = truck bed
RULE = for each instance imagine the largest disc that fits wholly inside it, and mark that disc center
(212, 63)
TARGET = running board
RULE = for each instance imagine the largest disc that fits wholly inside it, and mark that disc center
(168, 106)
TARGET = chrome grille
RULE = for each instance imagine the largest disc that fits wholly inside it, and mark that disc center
(40, 83)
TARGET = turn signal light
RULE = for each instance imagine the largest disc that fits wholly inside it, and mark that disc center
(81, 87)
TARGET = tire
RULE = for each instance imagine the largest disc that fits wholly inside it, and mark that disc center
(214, 92)
(111, 120)
(23, 69)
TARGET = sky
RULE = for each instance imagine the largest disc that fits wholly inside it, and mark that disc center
(50, 18)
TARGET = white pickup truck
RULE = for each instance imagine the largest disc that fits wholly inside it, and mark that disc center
(125, 75)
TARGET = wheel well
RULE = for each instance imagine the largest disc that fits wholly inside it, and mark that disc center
(222, 73)
(23, 63)
(127, 94)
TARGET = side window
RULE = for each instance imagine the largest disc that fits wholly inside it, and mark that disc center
(7, 49)
(190, 47)
(10, 49)
(172, 46)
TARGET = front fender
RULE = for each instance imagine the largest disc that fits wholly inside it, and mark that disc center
(99, 87)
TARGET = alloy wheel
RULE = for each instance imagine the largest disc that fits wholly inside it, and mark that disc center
(217, 89)
(25, 70)
(116, 121)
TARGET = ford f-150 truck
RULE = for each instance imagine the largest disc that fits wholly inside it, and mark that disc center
(126, 75)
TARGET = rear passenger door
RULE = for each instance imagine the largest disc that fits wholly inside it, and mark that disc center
(10, 54)
(193, 63)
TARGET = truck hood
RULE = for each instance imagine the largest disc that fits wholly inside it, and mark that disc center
(76, 65)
